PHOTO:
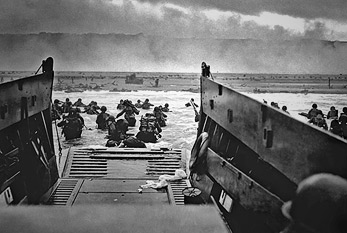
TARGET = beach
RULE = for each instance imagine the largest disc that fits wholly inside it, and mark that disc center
(256, 83)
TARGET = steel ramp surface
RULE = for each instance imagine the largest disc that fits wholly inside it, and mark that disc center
(98, 177)
(123, 218)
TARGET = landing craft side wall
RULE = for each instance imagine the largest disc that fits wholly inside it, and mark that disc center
(256, 200)
(28, 163)
(24, 98)
(295, 148)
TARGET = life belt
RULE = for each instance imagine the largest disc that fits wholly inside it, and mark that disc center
(199, 150)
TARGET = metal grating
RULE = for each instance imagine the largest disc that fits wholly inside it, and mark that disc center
(168, 165)
(177, 187)
(64, 192)
(82, 166)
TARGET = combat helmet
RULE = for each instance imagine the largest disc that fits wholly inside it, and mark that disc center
(111, 118)
(320, 204)
(103, 109)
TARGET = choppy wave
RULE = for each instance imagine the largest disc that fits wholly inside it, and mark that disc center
(181, 129)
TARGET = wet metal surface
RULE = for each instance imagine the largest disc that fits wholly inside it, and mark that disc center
(115, 178)
(124, 218)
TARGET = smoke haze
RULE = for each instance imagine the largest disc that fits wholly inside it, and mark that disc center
(234, 19)
(120, 52)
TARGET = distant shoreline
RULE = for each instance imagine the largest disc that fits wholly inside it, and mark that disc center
(254, 83)
(191, 82)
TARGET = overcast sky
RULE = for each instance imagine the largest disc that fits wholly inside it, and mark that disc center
(261, 19)
(176, 35)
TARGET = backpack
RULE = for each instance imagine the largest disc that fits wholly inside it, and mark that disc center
(101, 120)
(133, 142)
(117, 130)
(73, 128)
(147, 124)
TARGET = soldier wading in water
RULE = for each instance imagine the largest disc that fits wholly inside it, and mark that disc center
(72, 124)
(149, 129)
(130, 110)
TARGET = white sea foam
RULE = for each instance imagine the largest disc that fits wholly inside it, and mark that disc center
(181, 129)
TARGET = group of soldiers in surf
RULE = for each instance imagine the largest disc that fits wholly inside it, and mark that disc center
(275, 105)
(71, 122)
(338, 124)
(150, 124)
(129, 109)
(149, 130)
(60, 108)
(315, 116)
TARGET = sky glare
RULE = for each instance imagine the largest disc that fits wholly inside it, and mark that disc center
(252, 36)
(230, 19)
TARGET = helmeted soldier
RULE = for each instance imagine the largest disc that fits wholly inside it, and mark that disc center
(319, 206)
(149, 129)
(130, 110)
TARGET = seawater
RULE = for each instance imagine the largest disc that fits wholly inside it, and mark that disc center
(297, 103)
(181, 128)
(180, 131)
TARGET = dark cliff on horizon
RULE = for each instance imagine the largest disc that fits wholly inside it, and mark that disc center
(119, 52)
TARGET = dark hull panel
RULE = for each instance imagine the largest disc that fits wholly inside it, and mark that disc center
(27, 160)
(295, 148)
(252, 202)
(24, 98)
(256, 157)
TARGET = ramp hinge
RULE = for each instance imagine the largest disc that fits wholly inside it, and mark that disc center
(212, 104)
(3, 111)
(268, 138)
(230, 115)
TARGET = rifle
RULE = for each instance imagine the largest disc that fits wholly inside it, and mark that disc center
(197, 115)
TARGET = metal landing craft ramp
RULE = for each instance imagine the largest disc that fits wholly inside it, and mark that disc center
(114, 176)
(99, 189)
(108, 219)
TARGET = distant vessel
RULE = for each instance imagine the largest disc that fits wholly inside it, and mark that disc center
(257, 90)
(72, 90)
(132, 79)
